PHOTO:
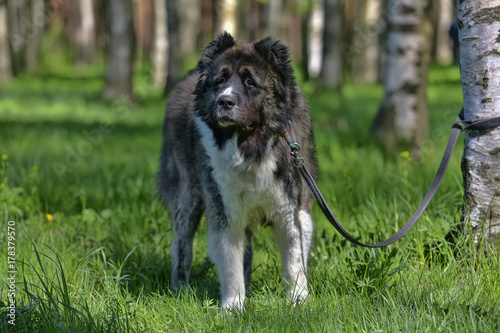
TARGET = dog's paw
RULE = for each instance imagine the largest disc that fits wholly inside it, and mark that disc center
(298, 295)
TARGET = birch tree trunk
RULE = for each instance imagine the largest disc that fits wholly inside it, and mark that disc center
(5, 63)
(331, 69)
(228, 17)
(85, 33)
(479, 23)
(364, 50)
(402, 120)
(315, 40)
(160, 45)
(120, 53)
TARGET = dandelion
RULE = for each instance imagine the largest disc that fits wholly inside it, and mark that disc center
(5, 157)
(49, 217)
(405, 154)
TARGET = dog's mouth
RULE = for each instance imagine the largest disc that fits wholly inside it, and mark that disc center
(232, 125)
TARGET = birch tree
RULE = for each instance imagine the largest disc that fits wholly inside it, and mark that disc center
(228, 16)
(479, 24)
(159, 56)
(120, 53)
(363, 54)
(85, 33)
(402, 119)
(5, 63)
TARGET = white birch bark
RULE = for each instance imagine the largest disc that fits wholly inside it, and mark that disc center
(228, 18)
(479, 26)
(160, 44)
(315, 46)
(5, 62)
(85, 33)
(403, 115)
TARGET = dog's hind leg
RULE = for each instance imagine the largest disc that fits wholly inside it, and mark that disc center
(185, 221)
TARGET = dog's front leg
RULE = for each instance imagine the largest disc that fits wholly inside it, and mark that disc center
(293, 234)
(226, 246)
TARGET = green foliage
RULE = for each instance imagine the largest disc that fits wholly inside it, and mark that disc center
(93, 238)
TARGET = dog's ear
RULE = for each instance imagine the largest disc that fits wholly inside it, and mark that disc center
(216, 47)
(277, 55)
(273, 51)
(223, 42)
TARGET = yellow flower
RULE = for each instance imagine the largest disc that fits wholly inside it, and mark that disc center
(5, 157)
(49, 216)
(405, 154)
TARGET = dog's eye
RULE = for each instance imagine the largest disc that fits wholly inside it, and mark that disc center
(220, 81)
(250, 82)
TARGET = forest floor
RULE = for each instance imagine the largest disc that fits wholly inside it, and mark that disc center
(91, 238)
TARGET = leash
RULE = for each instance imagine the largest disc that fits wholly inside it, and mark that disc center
(457, 128)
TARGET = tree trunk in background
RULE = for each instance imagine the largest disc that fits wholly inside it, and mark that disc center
(85, 34)
(294, 34)
(228, 17)
(443, 48)
(5, 63)
(189, 26)
(159, 57)
(174, 55)
(402, 120)
(249, 20)
(144, 27)
(304, 33)
(37, 22)
(315, 40)
(19, 32)
(331, 70)
(276, 20)
(479, 23)
(363, 55)
(120, 52)
(207, 21)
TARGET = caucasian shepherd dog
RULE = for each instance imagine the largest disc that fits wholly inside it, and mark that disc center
(224, 154)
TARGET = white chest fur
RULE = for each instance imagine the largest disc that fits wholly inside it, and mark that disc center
(248, 191)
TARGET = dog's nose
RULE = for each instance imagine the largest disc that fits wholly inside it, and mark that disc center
(226, 102)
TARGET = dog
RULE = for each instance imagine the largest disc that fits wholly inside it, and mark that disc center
(223, 154)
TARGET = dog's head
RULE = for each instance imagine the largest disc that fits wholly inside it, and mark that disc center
(244, 87)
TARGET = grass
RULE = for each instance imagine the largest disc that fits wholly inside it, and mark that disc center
(92, 238)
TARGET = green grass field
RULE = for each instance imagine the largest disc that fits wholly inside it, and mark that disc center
(92, 237)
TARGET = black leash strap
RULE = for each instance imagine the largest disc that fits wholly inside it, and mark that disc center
(457, 128)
